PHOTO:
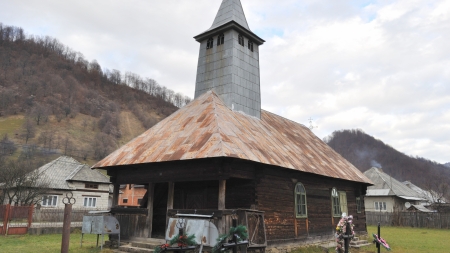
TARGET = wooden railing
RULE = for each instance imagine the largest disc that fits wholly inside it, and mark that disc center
(222, 219)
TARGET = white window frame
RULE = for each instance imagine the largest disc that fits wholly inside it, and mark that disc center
(335, 203)
(54, 201)
(380, 205)
(90, 202)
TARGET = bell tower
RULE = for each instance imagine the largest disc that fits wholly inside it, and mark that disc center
(228, 62)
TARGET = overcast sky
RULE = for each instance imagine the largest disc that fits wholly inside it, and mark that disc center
(380, 66)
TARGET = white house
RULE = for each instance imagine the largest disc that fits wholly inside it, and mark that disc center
(90, 188)
(388, 194)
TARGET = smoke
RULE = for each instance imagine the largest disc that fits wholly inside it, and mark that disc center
(375, 164)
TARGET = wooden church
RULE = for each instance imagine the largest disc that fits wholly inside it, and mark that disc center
(223, 154)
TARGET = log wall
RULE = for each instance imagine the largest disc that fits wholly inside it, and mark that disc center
(275, 196)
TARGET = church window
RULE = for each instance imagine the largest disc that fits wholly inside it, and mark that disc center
(220, 39)
(300, 201)
(210, 43)
(250, 45)
(335, 202)
(358, 205)
(241, 40)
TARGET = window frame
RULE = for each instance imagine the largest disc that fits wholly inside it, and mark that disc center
(335, 203)
(380, 205)
(298, 206)
(358, 205)
(220, 39)
(241, 40)
(90, 204)
(210, 43)
(91, 186)
(53, 201)
(250, 45)
(125, 201)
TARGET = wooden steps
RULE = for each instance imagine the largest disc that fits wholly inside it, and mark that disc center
(357, 243)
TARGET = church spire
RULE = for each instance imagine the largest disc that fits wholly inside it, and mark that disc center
(230, 10)
(228, 62)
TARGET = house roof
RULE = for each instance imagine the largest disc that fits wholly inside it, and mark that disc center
(391, 186)
(208, 128)
(430, 196)
(57, 172)
(420, 208)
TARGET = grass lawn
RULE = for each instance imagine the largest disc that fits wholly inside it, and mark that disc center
(401, 240)
(9, 125)
(48, 244)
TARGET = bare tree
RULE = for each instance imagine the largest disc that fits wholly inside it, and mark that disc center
(68, 146)
(21, 183)
(28, 130)
(102, 145)
(7, 146)
(39, 113)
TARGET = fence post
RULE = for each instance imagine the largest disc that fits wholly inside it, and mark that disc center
(30, 215)
(6, 219)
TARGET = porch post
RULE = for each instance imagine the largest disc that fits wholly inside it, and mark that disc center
(170, 195)
(149, 221)
(115, 196)
(222, 190)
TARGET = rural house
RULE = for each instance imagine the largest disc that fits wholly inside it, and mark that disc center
(222, 152)
(388, 194)
(65, 174)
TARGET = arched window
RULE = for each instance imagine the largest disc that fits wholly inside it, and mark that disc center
(335, 202)
(210, 43)
(250, 45)
(220, 39)
(300, 201)
(241, 40)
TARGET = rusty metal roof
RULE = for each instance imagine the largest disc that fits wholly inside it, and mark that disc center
(208, 128)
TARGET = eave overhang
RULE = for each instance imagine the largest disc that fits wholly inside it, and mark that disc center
(227, 26)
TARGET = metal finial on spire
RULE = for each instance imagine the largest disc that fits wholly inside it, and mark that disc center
(311, 126)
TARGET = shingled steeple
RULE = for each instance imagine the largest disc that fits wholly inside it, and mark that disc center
(229, 60)
(230, 10)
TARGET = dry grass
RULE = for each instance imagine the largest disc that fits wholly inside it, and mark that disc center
(80, 130)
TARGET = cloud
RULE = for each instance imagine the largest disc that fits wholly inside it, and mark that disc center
(382, 66)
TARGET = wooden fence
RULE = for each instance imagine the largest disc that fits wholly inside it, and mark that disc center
(409, 219)
(15, 220)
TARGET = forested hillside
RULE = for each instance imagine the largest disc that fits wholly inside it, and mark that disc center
(53, 101)
(364, 151)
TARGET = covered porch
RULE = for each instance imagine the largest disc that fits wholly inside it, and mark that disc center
(205, 187)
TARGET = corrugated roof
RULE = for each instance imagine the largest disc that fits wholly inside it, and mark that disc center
(382, 180)
(57, 172)
(208, 128)
(420, 208)
(378, 192)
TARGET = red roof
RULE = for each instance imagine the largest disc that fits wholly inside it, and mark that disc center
(208, 128)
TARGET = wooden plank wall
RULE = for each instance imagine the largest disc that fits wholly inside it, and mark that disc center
(131, 225)
(275, 196)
